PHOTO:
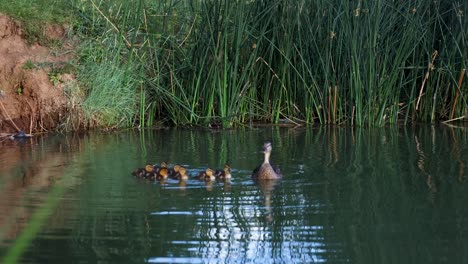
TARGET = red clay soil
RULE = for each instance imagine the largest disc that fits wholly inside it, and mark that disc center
(29, 100)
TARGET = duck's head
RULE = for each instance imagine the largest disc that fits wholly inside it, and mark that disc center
(177, 168)
(163, 164)
(267, 147)
(149, 168)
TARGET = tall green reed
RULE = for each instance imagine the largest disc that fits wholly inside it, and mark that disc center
(233, 62)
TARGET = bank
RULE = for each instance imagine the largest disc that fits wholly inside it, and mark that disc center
(227, 64)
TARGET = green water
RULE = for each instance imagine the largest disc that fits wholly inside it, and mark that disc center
(391, 195)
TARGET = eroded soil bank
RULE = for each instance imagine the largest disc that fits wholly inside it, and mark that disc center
(33, 78)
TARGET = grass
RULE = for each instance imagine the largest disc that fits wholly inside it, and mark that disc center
(230, 63)
(29, 65)
(34, 15)
(111, 102)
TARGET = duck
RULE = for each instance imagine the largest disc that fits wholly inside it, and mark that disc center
(174, 172)
(183, 174)
(224, 174)
(179, 172)
(161, 174)
(144, 172)
(266, 171)
(207, 175)
(157, 167)
(149, 169)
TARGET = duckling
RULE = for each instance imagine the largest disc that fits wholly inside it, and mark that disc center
(144, 172)
(207, 175)
(225, 173)
(174, 172)
(160, 166)
(162, 174)
(182, 175)
(266, 171)
(149, 171)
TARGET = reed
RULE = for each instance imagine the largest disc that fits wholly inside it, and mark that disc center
(229, 63)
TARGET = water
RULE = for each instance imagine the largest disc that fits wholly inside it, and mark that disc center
(391, 195)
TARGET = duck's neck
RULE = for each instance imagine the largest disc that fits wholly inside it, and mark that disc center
(267, 157)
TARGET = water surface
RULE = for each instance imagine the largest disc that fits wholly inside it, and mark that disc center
(389, 195)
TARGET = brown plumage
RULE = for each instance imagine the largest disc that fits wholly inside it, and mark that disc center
(160, 166)
(179, 172)
(174, 172)
(162, 174)
(145, 172)
(182, 174)
(266, 171)
(224, 174)
(207, 175)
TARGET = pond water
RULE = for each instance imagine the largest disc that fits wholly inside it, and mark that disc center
(388, 195)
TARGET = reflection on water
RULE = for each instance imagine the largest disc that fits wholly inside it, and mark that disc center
(348, 195)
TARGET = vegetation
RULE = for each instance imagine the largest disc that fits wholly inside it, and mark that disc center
(364, 63)
(32, 14)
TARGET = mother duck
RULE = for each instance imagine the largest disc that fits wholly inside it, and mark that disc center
(266, 171)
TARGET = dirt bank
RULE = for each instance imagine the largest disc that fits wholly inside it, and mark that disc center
(33, 78)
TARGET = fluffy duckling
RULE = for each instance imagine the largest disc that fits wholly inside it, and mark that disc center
(224, 174)
(182, 175)
(144, 172)
(266, 171)
(179, 172)
(207, 175)
(149, 171)
(162, 174)
(157, 167)
(174, 172)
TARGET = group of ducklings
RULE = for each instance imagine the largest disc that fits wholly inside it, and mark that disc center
(179, 172)
(264, 171)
